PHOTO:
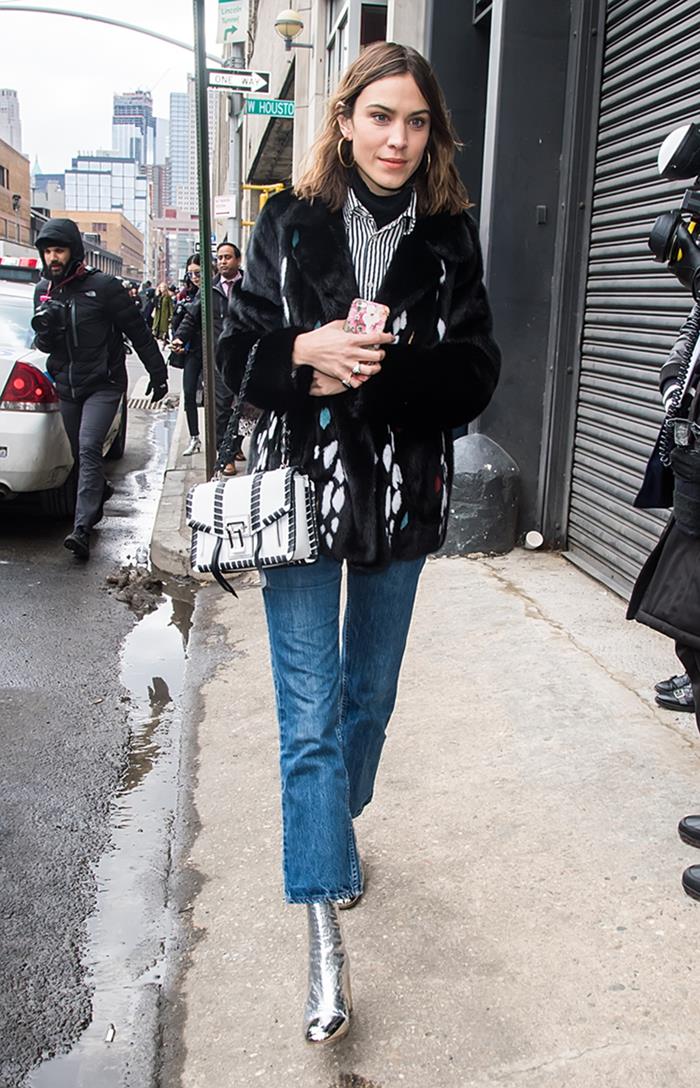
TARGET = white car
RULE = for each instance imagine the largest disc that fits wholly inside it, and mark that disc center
(35, 454)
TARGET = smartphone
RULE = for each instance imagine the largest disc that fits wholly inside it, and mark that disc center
(366, 317)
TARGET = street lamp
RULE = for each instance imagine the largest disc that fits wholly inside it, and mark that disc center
(289, 24)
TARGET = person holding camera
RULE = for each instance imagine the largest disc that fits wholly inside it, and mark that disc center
(81, 318)
(666, 596)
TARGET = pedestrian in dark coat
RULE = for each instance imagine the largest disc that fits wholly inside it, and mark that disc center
(81, 318)
(228, 257)
(380, 214)
(190, 347)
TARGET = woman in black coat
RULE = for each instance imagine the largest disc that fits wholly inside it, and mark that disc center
(381, 214)
(190, 351)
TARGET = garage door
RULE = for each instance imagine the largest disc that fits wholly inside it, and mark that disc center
(633, 306)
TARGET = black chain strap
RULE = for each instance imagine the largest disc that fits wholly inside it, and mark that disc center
(231, 440)
(230, 443)
(665, 440)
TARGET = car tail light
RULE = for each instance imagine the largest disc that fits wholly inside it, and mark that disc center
(28, 390)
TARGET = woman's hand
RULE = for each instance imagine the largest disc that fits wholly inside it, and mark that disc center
(177, 346)
(348, 357)
(323, 386)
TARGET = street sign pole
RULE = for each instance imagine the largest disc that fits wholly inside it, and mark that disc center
(205, 288)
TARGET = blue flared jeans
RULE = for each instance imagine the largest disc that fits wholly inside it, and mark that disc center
(334, 700)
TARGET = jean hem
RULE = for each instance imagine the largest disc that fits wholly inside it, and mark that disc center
(321, 897)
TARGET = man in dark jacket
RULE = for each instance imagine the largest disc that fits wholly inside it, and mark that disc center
(228, 261)
(81, 317)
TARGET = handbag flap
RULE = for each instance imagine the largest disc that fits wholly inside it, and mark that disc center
(257, 500)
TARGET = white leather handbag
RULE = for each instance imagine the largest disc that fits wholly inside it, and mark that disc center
(265, 519)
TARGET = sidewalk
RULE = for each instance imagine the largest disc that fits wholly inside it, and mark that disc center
(170, 541)
(524, 922)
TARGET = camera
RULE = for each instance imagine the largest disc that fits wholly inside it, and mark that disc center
(51, 319)
(679, 157)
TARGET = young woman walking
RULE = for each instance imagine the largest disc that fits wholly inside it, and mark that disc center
(380, 214)
(191, 352)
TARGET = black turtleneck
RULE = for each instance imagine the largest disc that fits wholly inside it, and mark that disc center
(384, 209)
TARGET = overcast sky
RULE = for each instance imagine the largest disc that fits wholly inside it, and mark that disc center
(66, 71)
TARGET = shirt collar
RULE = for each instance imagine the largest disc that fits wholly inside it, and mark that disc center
(354, 207)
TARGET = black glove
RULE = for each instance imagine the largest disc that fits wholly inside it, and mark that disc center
(687, 269)
(157, 389)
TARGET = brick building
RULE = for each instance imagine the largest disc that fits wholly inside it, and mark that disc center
(15, 201)
(117, 235)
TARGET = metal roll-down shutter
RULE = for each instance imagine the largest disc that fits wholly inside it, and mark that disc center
(634, 307)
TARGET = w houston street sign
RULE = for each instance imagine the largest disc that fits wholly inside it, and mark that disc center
(270, 107)
(239, 79)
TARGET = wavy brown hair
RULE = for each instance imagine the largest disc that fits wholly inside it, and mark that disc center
(439, 188)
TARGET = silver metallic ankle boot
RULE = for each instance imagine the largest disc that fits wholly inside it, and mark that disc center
(194, 446)
(328, 1006)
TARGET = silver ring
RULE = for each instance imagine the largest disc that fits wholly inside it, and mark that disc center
(347, 383)
(357, 369)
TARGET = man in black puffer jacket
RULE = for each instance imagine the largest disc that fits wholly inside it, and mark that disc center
(81, 317)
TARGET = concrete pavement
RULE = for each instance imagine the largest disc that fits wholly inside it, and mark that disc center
(524, 922)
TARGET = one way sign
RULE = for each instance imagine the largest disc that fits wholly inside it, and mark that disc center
(239, 79)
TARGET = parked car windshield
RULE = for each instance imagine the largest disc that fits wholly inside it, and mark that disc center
(16, 334)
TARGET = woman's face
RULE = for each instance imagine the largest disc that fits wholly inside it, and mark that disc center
(389, 129)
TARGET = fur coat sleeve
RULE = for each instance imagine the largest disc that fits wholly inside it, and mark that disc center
(256, 313)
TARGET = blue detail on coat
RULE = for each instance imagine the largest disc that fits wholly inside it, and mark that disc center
(404, 522)
(295, 239)
(317, 325)
(324, 417)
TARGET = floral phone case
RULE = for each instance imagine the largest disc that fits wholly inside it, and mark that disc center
(366, 317)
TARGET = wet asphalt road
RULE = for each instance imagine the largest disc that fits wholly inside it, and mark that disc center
(64, 748)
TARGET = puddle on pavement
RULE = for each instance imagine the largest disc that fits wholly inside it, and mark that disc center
(130, 925)
(128, 930)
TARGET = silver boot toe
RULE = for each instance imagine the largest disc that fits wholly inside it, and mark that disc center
(328, 1006)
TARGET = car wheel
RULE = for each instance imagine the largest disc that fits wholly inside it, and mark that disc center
(116, 450)
(59, 502)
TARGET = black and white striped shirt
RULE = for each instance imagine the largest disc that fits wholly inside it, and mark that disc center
(372, 249)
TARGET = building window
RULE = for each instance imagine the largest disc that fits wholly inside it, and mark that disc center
(351, 25)
(337, 44)
(372, 24)
(4, 177)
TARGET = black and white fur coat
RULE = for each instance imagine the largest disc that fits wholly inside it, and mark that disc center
(381, 455)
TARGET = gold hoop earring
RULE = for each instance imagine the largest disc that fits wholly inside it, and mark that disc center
(339, 149)
(427, 169)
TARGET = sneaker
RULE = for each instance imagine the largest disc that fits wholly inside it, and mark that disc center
(665, 686)
(78, 542)
(194, 446)
(679, 699)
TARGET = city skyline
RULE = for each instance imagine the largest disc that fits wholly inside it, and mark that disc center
(112, 61)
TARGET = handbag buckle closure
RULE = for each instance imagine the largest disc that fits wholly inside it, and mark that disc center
(237, 531)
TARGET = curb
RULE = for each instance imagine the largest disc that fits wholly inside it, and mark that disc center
(170, 538)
